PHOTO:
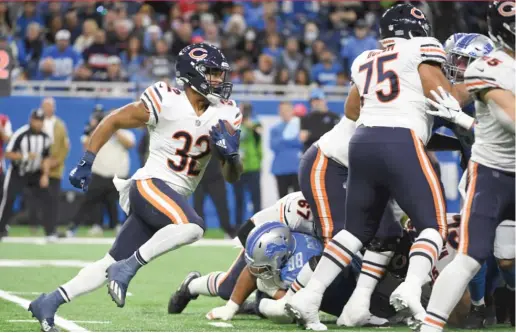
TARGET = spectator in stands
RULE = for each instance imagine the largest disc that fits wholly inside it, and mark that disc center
(182, 37)
(342, 79)
(273, 47)
(54, 9)
(120, 40)
(211, 34)
(290, 58)
(285, 144)
(265, 71)
(160, 65)
(315, 52)
(248, 76)
(311, 33)
(325, 72)
(6, 23)
(233, 31)
(254, 14)
(28, 15)
(56, 130)
(30, 50)
(59, 61)
(114, 71)
(97, 54)
(249, 46)
(86, 39)
(152, 35)
(90, 12)
(318, 121)
(282, 77)
(72, 24)
(251, 156)
(132, 58)
(56, 24)
(302, 77)
(83, 73)
(357, 44)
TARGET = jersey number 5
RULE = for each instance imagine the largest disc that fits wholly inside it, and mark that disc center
(382, 75)
(186, 160)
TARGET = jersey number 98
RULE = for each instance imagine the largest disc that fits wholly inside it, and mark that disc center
(382, 75)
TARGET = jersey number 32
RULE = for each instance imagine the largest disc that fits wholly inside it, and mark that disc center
(187, 161)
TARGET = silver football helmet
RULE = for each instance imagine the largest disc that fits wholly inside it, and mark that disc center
(268, 248)
(464, 51)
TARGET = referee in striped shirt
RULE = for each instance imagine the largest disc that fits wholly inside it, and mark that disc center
(29, 151)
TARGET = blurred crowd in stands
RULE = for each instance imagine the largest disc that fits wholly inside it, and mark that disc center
(272, 42)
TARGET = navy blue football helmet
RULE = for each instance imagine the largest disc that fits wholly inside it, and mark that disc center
(196, 66)
(500, 22)
(404, 21)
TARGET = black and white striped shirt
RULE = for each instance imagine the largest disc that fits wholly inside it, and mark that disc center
(26, 141)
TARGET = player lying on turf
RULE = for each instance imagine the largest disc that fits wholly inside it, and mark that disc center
(292, 209)
(185, 127)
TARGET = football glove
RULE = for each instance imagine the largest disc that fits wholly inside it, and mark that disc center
(80, 176)
(226, 144)
(448, 107)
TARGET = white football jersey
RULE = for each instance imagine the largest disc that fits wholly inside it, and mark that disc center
(494, 146)
(335, 143)
(179, 147)
(390, 86)
(293, 210)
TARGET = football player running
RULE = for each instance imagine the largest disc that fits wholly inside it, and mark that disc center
(185, 128)
(292, 210)
(490, 193)
(387, 157)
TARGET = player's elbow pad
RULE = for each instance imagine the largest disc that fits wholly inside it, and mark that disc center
(244, 231)
(500, 115)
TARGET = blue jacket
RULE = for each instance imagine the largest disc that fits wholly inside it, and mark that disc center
(354, 47)
(286, 147)
(65, 61)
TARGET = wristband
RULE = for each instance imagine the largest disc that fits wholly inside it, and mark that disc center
(88, 157)
(232, 306)
(465, 121)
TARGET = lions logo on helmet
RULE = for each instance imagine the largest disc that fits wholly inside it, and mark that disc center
(268, 247)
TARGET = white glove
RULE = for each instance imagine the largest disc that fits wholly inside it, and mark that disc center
(225, 312)
(449, 108)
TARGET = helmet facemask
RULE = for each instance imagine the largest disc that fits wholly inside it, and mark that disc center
(456, 64)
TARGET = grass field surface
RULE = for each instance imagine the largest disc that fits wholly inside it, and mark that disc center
(27, 269)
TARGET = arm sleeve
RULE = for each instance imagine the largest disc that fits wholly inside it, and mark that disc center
(480, 75)
(429, 49)
(14, 141)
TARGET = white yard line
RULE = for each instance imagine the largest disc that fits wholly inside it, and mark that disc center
(106, 241)
(42, 263)
(74, 321)
(220, 324)
(60, 321)
(39, 292)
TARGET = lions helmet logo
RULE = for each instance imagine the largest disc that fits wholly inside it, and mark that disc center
(273, 248)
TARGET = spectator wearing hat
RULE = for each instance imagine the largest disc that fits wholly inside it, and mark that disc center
(55, 128)
(355, 45)
(29, 153)
(325, 72)
(318, 121)
(284, 142)
(251, 156)
(60, 61)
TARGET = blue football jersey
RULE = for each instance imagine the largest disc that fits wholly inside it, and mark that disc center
(305, 248)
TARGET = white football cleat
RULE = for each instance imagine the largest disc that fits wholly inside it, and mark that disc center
(407, 297)
(304, 308)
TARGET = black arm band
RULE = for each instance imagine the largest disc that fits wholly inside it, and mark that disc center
(244, 231)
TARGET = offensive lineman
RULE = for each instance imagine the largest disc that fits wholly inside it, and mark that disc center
(387, 157)
(490, 194)
(183, 126)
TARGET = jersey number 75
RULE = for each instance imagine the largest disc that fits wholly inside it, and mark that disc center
(378, 64)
